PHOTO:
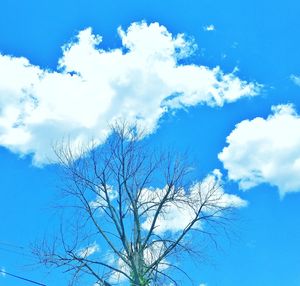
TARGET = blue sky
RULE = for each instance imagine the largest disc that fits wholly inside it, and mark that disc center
(253, 97)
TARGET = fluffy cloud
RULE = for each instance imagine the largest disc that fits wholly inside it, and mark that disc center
(151, 254)
(100, 203)
(265, 151)
(92, 87)
(295, 79)
(117, 277)
(209, 190)
(209, 28)
(89, 250)
(174, 217)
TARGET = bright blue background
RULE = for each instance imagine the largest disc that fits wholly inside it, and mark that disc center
(260, 37)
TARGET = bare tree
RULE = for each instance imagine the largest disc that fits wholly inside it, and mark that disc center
(135, 211)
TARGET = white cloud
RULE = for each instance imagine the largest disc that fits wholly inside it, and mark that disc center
(209, 28)
(117, 277)
(175, 217)
(100, 202)
(211, 187)
(88, 250)
(203, 284)
(168, 220)
(265, 151)
(2, 272)
(139, 81)
(151, 254)
(295, 79)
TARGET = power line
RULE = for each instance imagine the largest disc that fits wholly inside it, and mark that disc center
(16, 252)
(7, 244)
(21, 278)
(16, 249)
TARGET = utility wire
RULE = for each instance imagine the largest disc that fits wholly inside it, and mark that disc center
(16, 249)
(21, 278)
(16, 252)
(9, 248)
(7, 244)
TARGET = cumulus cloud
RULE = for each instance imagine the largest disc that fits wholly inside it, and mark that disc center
(209, 28)
(180, 211)
(265, 151)
(100, 202)
(176, 216)
(295, 79)
(140, 81)
(88, 250)
(151, 254)
(117, 277)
